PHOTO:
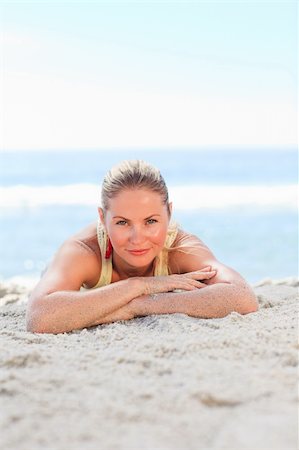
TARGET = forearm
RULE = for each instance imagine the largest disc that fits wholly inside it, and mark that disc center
(64, 311)
(125, 312)
(213, 301)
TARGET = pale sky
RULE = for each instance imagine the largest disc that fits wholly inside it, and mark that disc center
(147, 74)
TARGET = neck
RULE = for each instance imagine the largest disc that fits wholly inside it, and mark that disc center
(125, 271)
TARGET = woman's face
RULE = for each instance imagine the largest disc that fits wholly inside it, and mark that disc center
(137, 223)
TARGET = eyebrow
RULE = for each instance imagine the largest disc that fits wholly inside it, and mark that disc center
(121, 217)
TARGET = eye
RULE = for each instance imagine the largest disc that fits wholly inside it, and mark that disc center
(152, 221)
(121, 222)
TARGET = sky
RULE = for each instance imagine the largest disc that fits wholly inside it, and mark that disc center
(148, 74)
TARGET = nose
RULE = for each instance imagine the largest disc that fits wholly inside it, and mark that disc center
(136, 236)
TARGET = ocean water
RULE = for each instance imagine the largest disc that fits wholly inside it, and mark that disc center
(242, 204)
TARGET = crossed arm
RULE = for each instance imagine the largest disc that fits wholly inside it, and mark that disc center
(226, 292)
(56, 305)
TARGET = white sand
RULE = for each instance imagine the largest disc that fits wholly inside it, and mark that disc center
(158, 382)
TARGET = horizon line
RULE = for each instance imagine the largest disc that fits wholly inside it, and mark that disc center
(156, 148)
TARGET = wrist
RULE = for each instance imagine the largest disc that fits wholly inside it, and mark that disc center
(139, 306)
(138, 286)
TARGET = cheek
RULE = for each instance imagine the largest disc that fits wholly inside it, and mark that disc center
(158, 236)
(118, 238)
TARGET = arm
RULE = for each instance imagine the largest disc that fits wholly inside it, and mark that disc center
(216, 300)
(57, 305)
(187, 282)
(224, 293)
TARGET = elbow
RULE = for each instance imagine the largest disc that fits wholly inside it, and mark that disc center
(239, 298)
(33, 328)
(32, 317)
(248, 308)
(34, 323)
(38, 325)
(41, 318)
(248, 304)
(36, 319)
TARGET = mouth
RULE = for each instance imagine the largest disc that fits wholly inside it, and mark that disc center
(139, 252)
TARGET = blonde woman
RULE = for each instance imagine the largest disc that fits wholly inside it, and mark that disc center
(133, 262)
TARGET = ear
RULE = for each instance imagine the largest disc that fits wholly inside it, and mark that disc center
(170, 208)
(101, 215)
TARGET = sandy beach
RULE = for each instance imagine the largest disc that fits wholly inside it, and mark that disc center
(157, 383)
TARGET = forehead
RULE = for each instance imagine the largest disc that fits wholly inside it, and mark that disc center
(132, 200)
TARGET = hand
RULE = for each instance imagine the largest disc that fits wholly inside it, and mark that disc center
(186, 281)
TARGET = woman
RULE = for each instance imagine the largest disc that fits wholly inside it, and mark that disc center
(133, 262)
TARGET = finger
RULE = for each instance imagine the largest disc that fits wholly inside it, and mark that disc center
(207, 275)
(204, 269)
(194, 284)
(199, 284)
(187, 285)
(199, 275)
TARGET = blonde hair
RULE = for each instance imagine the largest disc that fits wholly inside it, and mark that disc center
(133, 174)
(138, 174)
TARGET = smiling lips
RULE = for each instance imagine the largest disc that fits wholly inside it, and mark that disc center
(139, 252)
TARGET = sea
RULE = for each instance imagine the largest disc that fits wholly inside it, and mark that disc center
(242, 203)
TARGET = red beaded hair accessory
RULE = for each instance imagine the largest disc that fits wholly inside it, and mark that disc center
(108, 249)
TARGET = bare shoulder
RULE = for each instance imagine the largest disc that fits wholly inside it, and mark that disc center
(87, 239)
(193, 254)
(188, 251)
(76, 262)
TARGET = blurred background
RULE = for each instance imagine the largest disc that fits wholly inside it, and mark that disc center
(206, 91)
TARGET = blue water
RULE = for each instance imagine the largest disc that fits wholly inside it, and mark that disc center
(178, 166)
(258, 242)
